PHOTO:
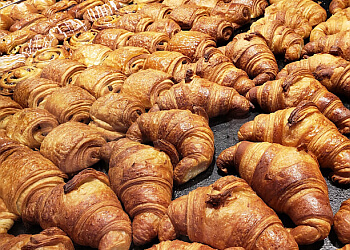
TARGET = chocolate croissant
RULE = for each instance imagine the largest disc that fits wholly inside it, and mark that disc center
(225, 214)
(306, 127)
(218, 28)
(72, 146)
(114, 113)
(235, 13)
(70, 103)
(155, 10)
(142, 177)
(100, 80)
(88, 210)
(152, 41)
(250, 52)
(147, 85)
(187, 14)
(134, 22)
(166, 26)
(200, 93)
(338, 5)
(8, 107)
(185, 136)
(341, 222)
(113, 38)
(294, 180)
(91, 54)
(29, 126)
(43, 57)
(257, 7)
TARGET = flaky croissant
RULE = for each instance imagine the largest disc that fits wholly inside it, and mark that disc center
(199, 93)
(155, 10)
(341, 222)
(338, 5)
(29, 126)
(178, 244)
(8, 107)
(88, 210)
(43, 57)
(300, 85)
(303, 126)
(187, 14)
(147, 85)
(294, 185)
(114, 113)
(72, 146)
(134, 22)
(152, 41)
(142, 177)
(225, 214)
(217, 27)
(185, 136)
(113, 38)
(249, 51)
(236, 13)
(7, 219)
(91, 54)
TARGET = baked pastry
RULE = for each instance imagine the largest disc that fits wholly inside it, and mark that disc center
(22, 9)
(108, 9)
(68, 27)
(227, 213)
(235, 13)
(8, 107)
(78, 11)
(338, 5)
(155, 10)
(166, 26)
(257, 7)
(79, 39)
(113, 38)
(9, 43)
(91, 54)
(7, 219)
(72, 146)
(9, 62)
(59, 6)
(294, 186)
(178, 244)
(186, 137)
(341, 222)
(36, 43)
(217, 27)
(42, 5)
(187, 14)
(134, 22)
(152, 41)
(142, 177)
(43, 57)
(43, 27)
(27, 21)
(5, 22)
(106, 22)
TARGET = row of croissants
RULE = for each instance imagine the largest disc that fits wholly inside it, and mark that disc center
(134, 84)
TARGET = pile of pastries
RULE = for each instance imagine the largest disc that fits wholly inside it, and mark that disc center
(134, 84)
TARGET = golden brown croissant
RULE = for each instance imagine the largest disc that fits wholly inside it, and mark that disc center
(217, 27)
(41, 5)
(22, 9)
(288, 180)
(155, 10)
(88, 210)
(257, 7)
(72, 146)
(68, 27)
(281, 39)
(303, 126)
(36, 43)
(59, 6)
(50, 238)
(8, 62)
(131, 8)
(79, 39)
(43, 57)
(9, 80)
(5, 22)
(45, 25)
(300, 85)
(336, 44)
(32, 92)
(147, 85)
(113, 38)
(29, 126)
(70, 103)
(171, 62)
(127, 60)
(134, 22)
(331, 71)
(185, 136)
(100, 80)
(338, 5)
(62, 71)
(142, 177)
(114, 113)
(178, 244)
(106, 22)
(166, 26)
(77, 11)
(91, 54)
(193, 44)
(200, 93)
(187, 14)
(341, 222)
(249, 52)
(9, 42)
(309, 9)
(152, 41)
(7, 219)
(225, 214)
(8, 107)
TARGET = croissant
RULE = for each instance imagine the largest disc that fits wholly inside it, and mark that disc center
(131, 8)
(300, 85)
(26, 21)
(147, 85)
(281, 39)
(201, 93)
(309, 9)
(217, 27)
(225, 214)
(187, 14)
(9, 62)
(113, 38)
(178, 244)
(70, 103)
(170, 62)
(114, 113)
(100, 80)
(43, 57)
(29, 126)
(91, 54)
(9, 80)
(5, 22)
(257, 7)
(134, 22)
(185, 136)
(166, 26)
(72, 146)
(193, 44)
(9, 42)
(142, 177)
(331, 71)
(32, 92)
(106, 22)
(249, 52)
(50, 238)
(333, 44)
(41, 5)
(335, 24)
(294, 180)
(152, 41)
(59, 6)
(77, 11)
(235, 13)
(155, 10)
(68, 27)
(338, 5)
(79, 39)
(7, 219)
(88, 210)
(108, 9)
(8, 107)
(346, 247)
(127, 60)
(303, 126)
(341, 222)
(22, 9)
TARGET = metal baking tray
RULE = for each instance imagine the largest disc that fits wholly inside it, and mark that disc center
(225, 133)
